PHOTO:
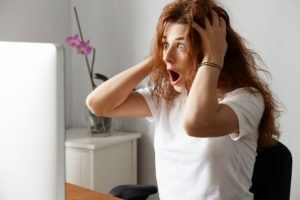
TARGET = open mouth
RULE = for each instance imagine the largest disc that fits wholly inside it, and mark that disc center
(174, 76)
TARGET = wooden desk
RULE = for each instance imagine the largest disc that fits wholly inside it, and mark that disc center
(74, 192)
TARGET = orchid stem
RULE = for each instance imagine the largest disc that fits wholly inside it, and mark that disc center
(90, 69)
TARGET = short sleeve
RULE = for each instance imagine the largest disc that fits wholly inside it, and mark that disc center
(154, 108)
(249, 109)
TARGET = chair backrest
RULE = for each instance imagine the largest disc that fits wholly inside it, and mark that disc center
(272, 173)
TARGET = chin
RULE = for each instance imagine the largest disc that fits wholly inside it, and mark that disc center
(180, 89)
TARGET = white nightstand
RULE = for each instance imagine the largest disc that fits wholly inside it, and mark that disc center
(100, 163)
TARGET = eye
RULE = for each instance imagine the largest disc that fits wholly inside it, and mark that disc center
(165, 45)
(181, 46)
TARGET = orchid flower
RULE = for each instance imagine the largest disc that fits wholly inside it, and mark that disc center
(73, 41)
(84, 48)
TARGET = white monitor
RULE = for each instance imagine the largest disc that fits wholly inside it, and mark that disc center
(32, 119)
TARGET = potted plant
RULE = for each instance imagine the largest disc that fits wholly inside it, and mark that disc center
(97, 125)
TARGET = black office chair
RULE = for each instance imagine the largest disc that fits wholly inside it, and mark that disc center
(271, 177)
(272, 173)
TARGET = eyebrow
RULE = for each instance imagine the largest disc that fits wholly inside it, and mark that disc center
(179, 38)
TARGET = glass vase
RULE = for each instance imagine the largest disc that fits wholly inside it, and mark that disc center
(98, 125)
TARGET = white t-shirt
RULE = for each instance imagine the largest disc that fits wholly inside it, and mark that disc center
(192, 168)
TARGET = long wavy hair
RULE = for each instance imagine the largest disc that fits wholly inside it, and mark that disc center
(239, 69)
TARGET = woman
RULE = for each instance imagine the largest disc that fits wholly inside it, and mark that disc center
(210, 107)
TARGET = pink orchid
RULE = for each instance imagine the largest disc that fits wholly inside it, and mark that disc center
(73, 41)
(84, 48)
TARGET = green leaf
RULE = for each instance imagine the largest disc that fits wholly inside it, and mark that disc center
(100, 76)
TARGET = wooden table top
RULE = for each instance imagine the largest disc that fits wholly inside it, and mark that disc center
(74, 192)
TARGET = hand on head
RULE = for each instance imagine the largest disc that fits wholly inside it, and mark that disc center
(213, 39)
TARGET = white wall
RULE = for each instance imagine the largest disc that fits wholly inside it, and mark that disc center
(38, 21)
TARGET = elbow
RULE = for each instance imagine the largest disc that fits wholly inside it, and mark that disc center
(195, 128)
(91, 105)
(88, 101)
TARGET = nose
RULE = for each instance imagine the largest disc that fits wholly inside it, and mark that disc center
(168, 55)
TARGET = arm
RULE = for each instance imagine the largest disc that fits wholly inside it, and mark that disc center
(114, 97)
(204, 116)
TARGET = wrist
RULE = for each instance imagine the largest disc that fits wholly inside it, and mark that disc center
(209, 64)
(216, 60)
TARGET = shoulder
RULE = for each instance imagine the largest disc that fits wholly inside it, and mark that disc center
(153, 101)
(246, 102)
(248, 105)
(245, 91)
(245, 94)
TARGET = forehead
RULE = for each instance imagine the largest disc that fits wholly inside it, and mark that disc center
(174, 30)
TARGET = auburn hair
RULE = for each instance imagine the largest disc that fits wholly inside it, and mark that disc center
(239, 69)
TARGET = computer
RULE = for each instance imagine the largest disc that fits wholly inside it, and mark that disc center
(32, 118)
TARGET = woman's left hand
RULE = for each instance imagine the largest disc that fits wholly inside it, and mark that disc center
(213, 39)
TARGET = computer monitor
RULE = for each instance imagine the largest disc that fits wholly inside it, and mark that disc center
(32, 118)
